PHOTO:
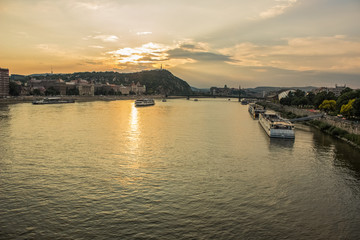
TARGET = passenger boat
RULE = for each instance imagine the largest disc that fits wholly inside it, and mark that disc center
(53, 100)
(144, 102)
(244, 102)
(255, 110)
(275, 126)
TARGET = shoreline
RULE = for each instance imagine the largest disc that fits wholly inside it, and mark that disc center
(325, 127)
(30, 99)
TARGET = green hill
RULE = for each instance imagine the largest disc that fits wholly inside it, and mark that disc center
(156, 81)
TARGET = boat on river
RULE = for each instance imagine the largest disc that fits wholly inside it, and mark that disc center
(255, 110)
(53, 100)
(144, 102)
(275, 126)
(244, 101)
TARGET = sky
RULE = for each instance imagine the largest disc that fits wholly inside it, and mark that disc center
(245, 43)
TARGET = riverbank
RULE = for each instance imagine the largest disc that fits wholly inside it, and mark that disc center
(342, 129)
(29, 99)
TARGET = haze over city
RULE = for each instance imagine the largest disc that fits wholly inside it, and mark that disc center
(206, 43)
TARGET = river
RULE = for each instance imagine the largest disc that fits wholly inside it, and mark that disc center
(178, 170)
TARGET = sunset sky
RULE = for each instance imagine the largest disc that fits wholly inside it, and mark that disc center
(204, 42)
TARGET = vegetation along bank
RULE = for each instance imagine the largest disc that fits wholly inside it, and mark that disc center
(341, 113)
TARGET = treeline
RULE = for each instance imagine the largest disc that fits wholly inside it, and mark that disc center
(347, 104)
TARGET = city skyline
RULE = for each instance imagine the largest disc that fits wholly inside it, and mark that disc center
(206, 43)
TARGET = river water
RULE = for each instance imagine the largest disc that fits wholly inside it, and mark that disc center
(177, 170)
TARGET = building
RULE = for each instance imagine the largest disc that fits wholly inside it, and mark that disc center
(4, 82)
(284, 94)
(59, 85)
(84, 87)
(138, 89)
(336, 90)
(225, 91)
(125, 90)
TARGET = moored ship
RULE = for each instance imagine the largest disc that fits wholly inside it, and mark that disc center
(255, 110)
(244, 101)
(144, 102)
(275, 126)
(53, 100)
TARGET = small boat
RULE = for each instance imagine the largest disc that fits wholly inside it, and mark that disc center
(255, 110)
(53, 100)
(275, 126)
(244, 102)
(144, 102)
(196, 99)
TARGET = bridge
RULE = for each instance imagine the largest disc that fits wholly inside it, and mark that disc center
(306, 118)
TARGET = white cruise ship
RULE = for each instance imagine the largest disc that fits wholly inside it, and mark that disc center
(144, 102)
(255, 110)
(275, 126)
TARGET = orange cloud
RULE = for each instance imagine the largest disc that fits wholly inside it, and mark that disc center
(335, 53)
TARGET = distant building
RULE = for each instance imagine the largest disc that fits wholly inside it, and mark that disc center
(4, 82)
(336, 90)
(125, 90)
(59, 85)
(138, 89)
(284, 94)
(84, 87)
(225, 91)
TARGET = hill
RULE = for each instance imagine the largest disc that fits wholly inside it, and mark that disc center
(156, 81)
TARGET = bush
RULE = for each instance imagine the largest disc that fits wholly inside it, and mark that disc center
(353, 138)
(324, 126)
(337, 132)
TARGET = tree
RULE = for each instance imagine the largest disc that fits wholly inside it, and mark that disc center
(298, 93)
(310, 98)
(285, 101)
(36, 92)
(344, 98)
(14, 89)
(72, 91)
(356, 107)
(346, 90)
(328, 105)
(51, 91)
(111, 92)
(320, 97)
(347, 109)
(297, 101)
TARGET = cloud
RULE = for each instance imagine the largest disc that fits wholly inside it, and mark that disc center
(96, 46)
(147, 53)
(336, 53)
(87, 5)
(52, 49)
(197, 51)
(152, 55)
(278, 9)
(104, 38)
(143, 33)
(184, 53)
